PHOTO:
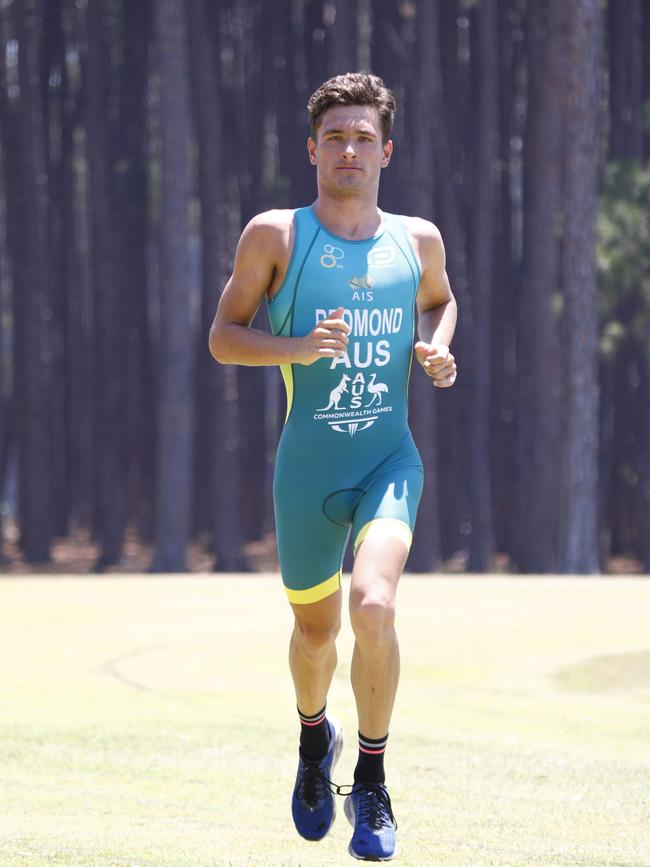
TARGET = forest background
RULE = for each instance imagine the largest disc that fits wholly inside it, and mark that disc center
(138, 138)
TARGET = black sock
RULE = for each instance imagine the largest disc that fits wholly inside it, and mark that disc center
(314, 735)
(370, 766)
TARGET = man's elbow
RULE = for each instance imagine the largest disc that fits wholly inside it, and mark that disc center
(217, 345)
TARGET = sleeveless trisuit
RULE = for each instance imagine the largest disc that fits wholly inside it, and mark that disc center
(346, 456)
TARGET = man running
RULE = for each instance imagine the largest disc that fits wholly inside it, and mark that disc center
(342, 280)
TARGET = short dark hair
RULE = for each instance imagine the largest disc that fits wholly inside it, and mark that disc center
(353, 88)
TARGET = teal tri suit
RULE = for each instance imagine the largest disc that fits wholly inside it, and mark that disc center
(346, 456)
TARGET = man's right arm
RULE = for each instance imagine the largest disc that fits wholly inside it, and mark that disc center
(232, 340)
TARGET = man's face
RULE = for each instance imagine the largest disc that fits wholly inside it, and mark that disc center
(348, 149)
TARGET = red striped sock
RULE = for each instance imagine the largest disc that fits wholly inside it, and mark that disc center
(370, 765)
(314, 735)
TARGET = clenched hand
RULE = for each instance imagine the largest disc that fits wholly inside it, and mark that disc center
(329, 339)
(437, 362)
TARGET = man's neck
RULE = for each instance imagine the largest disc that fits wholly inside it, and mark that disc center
(350, 217)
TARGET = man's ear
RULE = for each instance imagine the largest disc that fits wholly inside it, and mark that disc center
(311, 149)
(388, 151)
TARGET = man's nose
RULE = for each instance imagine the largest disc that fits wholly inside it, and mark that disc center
(348, 151)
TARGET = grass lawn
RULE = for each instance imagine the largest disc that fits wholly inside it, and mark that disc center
(151, 721)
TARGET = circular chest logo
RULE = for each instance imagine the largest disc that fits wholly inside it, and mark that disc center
(331, 256)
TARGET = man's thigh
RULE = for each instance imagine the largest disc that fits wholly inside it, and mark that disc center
(310, 549)
(382, 532)
(379, 563)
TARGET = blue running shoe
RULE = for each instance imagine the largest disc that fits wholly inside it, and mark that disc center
(369, 811)
(312, 804)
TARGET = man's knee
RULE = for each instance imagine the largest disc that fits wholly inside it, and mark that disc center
(372, 615)
(315, 637)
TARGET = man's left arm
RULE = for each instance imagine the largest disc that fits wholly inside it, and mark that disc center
(436, 306)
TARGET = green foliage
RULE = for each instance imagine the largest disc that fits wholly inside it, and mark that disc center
(624, 256)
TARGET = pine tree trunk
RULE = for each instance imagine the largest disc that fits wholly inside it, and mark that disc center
(252, 52)
(502, 329)
(206, 107)
(645, 40)
(580, 548)
(626, 107)
(624, 440)
(80, 360)
(52, 60)
(25, 159)
(388, 60)
(134, 236)
(341, 36)
(644, 499)
(539, 370)
(108, 297)
(314, 44)
(481, 539)
(175, 403)
(293, 126)
(7, 413)
(215, 472)
(453, 410)
(425, 552)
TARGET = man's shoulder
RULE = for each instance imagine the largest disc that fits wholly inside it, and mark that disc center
(421, 229)
(273, 221)
(270, 231)
(427, 241)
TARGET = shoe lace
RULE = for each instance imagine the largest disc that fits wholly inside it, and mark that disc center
(374, 808)
(313, 783)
